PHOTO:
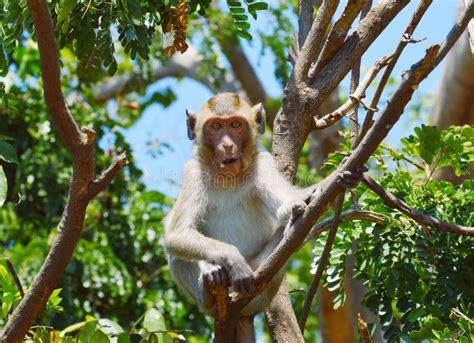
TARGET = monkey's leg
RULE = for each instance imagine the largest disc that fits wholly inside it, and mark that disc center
(245, 331)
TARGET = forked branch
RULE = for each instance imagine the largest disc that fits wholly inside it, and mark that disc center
(299, 229)
(80, 144)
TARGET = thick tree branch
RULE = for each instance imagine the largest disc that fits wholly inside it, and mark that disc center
(421, 218)
(62, 118)
(337, 35)
(295, 120)
(305, 19)
(80, 144)
(332, 186)
(312, 45)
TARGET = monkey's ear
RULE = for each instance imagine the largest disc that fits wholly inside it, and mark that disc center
(259, 112)
(191, 124)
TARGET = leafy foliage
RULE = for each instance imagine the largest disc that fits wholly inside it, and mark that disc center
(239, 14)
(90, 29)
(417, 276)
(119, 269)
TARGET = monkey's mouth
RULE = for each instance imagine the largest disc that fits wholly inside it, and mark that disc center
(228, 161)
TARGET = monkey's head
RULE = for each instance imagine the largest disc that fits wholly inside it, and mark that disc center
(225, 130)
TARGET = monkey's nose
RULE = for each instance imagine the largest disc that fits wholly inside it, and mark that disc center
(227, 146)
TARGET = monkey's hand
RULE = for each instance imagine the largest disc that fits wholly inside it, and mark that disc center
(351, 179)
(239, 272)
(289, 210)
(215, 275)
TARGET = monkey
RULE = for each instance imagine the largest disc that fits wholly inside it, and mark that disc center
(224, 222)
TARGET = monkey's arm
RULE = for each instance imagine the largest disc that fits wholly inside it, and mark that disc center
(276, 191)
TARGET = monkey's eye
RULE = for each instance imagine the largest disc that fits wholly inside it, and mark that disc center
(236, 124)
(216, 126)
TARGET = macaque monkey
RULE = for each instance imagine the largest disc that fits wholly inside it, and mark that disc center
(233, 199)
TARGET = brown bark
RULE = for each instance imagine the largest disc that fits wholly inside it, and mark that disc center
(454, 104)
(300, 224)
(281, 320)
(80, 144)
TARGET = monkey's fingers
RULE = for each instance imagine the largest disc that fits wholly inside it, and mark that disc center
(220, 276)
(245, 285)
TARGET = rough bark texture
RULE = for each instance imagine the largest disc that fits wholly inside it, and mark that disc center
(83, 187)
(281, 320)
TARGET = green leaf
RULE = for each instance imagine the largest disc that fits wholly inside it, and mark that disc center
(99, 337)
(244, 34)
(7, 302)
(416, 314)
(8, 153)
(6, 138)
(154, 321)
(3, 186)
(87, 331)
(110, 327)
(123, 338)
(258, 6)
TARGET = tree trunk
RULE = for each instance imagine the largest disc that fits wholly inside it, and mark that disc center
(454, 104)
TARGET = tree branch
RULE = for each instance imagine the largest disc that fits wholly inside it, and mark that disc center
(14, 275)
(337, 35)
(421, 218)
(178, 65)
(80, 144)
(346, 216)
(99, 184)
(295, 120)
(305, 19)
(406, 38)
(470, 29)
(298, 229)
(322, 262)
(312, 45)
(61, 117)
(354, 98)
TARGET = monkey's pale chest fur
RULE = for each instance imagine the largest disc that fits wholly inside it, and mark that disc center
(239, 217)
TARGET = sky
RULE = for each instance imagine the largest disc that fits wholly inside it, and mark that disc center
(163, 172)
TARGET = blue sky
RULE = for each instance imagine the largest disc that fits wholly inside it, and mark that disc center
(167, 125)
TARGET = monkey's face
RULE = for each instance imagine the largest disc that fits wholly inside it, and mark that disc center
(227, 138)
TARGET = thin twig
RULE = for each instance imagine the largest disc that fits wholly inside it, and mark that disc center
(421, 218)
(322, 262)
(355, 98)
(404, 40)
(11, 269)
(346, 216)
(355, 76)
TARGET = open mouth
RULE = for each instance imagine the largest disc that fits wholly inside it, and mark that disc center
(228, 161)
